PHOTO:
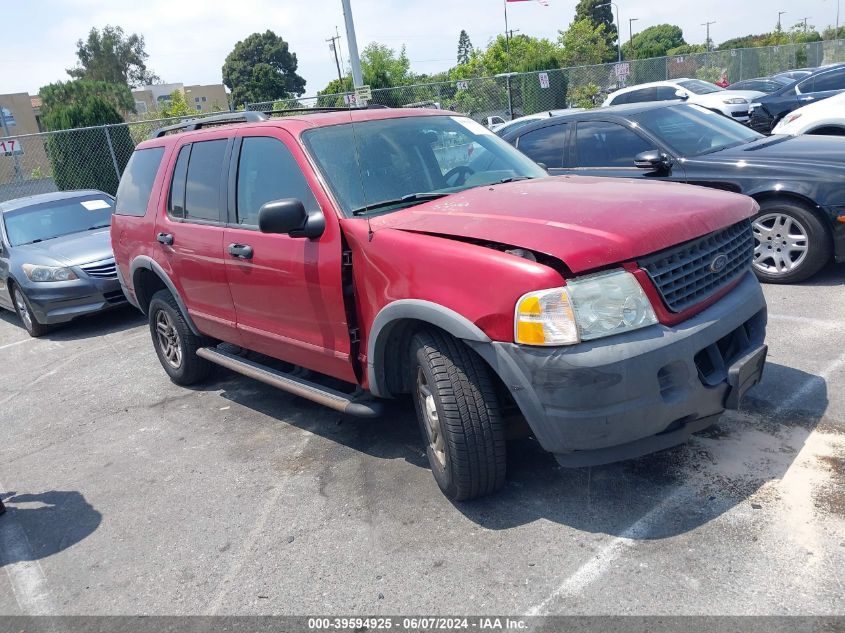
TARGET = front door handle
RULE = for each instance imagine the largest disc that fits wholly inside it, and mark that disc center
(165, 238)
(241, 251)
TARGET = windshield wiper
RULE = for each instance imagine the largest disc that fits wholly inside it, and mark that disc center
(98, 226)
(514, 179)
(411, 197)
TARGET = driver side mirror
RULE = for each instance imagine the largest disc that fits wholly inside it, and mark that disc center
(682, 94)
(289, 217)
(653, 160)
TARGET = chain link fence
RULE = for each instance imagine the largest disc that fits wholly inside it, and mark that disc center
(95, 157)
(518, 94)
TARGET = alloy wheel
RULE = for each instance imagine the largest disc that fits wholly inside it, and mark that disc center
(168, 339)
(781, 243)
(431, 420)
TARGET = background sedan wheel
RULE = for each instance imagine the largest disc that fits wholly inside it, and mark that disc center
(791, 243)
(33, 327)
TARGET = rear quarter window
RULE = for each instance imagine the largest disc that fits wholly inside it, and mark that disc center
(136, 184)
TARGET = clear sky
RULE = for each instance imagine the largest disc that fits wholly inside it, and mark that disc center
(188, 40)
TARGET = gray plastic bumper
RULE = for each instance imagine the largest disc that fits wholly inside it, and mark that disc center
(631, 394)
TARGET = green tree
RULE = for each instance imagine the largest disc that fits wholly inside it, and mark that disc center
(114, 57)
(382, 67)
(262, 68)
(176, 106)
(526, 54)
(583, 44)
(655, 41)
(464, 48)
(603, 16)
(81, 91)
(85, 159)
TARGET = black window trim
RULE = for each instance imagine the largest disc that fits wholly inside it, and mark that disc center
(621, 123)
(222, 190)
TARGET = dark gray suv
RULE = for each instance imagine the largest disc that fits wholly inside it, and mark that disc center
(56, 261)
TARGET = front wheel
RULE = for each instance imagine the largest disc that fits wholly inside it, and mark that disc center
(175, 344)
(791, 243)
(459, 416)
(26, 315)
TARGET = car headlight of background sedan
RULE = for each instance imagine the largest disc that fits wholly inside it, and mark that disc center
(48, 273)
(586, 308)
(735, 101)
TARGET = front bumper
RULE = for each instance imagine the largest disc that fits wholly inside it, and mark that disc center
(631, 394)
(737, 112)
(59, 302)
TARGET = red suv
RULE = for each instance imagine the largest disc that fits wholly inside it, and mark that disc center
(413, 251)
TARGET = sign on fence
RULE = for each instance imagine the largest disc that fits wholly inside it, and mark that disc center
(350, 100)
(544, 80)
(363, 93)
(622, 70)
(10, 146)
(462, 85)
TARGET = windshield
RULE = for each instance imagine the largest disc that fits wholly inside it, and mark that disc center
(389, 164)
(50, 220)
(690, 130)
(699, 87)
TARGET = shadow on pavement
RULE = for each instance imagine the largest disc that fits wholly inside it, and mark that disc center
(91, 326)
(39, 525)
(718, 469)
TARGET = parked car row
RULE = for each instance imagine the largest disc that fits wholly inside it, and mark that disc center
(379, 253)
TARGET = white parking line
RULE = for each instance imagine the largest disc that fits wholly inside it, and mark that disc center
(23, 569)
(641, 528)
(7, 345)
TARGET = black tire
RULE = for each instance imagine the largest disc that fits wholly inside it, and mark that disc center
(470, 461)
(26, 315)
(774, 244)
(175, 343)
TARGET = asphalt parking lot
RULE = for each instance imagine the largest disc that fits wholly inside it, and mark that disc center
(129, 495)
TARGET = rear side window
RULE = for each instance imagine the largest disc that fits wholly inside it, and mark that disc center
(202, 187)
(267, 171)
(136, 185)
(545, 145)
(176, 199)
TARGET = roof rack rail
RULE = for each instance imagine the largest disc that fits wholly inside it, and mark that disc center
(372, 106)
(248, 116)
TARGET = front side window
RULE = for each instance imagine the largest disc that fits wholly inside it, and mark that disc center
(642, 95)
(601, 144)
(690, 130)
(267, 171)
(696, 86)
(136, 184)
(545, 145)
(202, 187)
(51, 220)
(388, 164)
(834, 80)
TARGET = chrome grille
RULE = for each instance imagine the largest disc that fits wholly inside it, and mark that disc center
(101, 270)
(685, 275)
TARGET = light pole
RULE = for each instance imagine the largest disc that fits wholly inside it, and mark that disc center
(631, 33)
(707, 41)
(780, 13)
(618, 26)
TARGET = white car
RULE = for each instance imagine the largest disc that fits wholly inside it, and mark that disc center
(822, 117)
(732, 103)
(501, 128)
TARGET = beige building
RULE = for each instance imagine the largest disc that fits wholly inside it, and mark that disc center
(22, 157)
(200, 98)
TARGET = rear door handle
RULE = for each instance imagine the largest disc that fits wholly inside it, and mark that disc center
(241, 251)
(165, 238)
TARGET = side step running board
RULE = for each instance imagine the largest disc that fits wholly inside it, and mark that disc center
(305, 389)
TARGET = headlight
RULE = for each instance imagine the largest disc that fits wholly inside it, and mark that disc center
(48, 273)
(586, 308)
(735, 101)
(753, 106)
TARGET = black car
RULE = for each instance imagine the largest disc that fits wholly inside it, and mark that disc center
(799, 182)
(766, 112)
(762, 84)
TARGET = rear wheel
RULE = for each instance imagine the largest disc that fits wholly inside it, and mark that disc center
(459, 416)
(175, 343)
(791, 243)
(27, 316)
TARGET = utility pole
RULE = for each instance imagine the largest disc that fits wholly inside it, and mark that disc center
(780, 13)
(333, 41)
(707, 41)
(354, 59)
(631, 34)
(618, 27)
(805, 22)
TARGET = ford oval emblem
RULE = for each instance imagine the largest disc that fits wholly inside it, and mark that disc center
(719, 263)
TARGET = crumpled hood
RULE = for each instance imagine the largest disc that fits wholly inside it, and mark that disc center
(586, 222)
(68, 250)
